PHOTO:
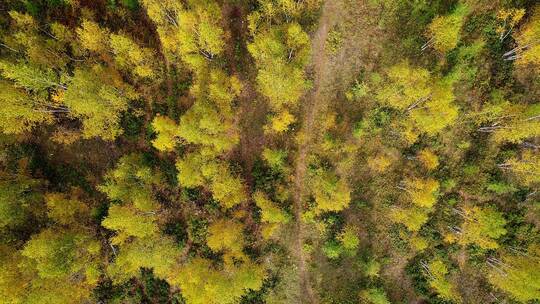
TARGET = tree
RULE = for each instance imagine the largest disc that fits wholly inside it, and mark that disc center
(65, 210)
(13, 280)
(204, 124)
(270, 213)
(227, 236)
(164, 14)
(279, 11)
(482, 226)
(437, 272)
(26, 37)
(281, 54)
(413, 217)
(374, 296)
(349, 238)
(131, 57)
(404, 87)
(63, 253)
(194, 169)
(436, 112)
(282, 121)
(210, 121)
(428, 159)
(167, 133)
(28, 76)
(199, 35)
(159, 253)
(228, 189)
(517, 274)
(219, 89)
(129, 222)
(282, 85)
(527, 51)
(423, 192)
(202, 283)
(94, 97)
(509, 122)
(331, 193)
(510, 18)
(19, 199)
(379, 163)
(198, 169)
(93, 37)
(132, 182)
(20, 112)
(526, 168)
(275, 158)
(444, 31)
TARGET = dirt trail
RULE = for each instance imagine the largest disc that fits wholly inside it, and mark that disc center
(313, 104)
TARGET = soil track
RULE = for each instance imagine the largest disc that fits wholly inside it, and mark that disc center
(313, 104)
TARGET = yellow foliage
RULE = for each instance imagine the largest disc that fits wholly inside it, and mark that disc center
(270, 213)
(227, 236)
(423, 192)
(413, 218)
(379, 163)
(438, 281)
(93, 37)
(527, 39)
(428, 159)
(445, 30)
(482, 226)
(331, 193)
(167, 131)
(282, 121)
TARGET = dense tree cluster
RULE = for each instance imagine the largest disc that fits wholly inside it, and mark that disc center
(269, 151)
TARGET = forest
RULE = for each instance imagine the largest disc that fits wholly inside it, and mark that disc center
(269, 151)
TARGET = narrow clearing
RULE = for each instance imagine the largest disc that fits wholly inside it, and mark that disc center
(332, 76)
(313, 104)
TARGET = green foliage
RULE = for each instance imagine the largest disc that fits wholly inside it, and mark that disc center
(132, 182)
(482, 226)
(270, 213)
(138, 165)
(275, 158)
(349, 238)
(19, 198)
(334, 41)
(332, 249)
(127, 221)
(437, 272)
(63, 253)
(28, 76)
(20, 112)
(92, 98)
(444, 31)
(517, 275)
(331, 193)
(166, 130)
(374, 296)
(64, 210)
(202, 283)
(158, 254)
